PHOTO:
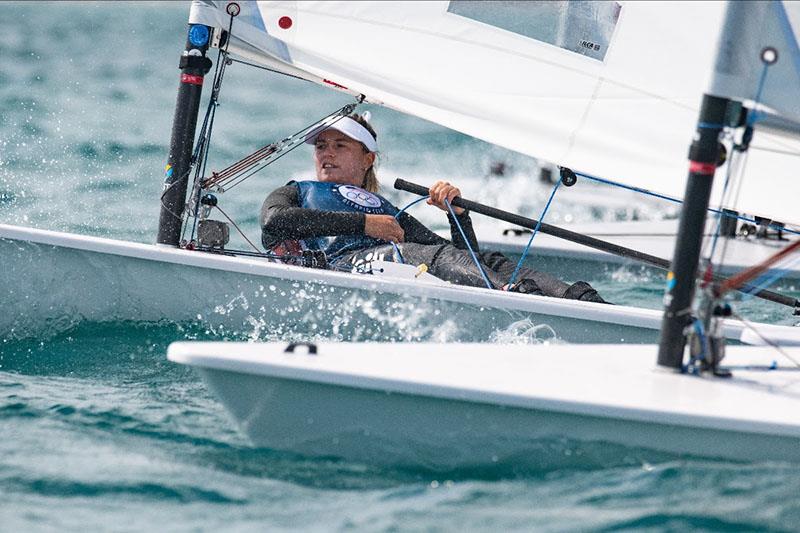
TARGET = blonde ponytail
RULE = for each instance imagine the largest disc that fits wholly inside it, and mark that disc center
(371, 180)
(370, 177)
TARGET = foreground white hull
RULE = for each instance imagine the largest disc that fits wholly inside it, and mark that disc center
(443, 406)
(53, 279)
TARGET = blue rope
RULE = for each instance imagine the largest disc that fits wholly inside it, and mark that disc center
(677, 201)
(535, 231)
(628, 187)
(710, 125)
(715, 238)
(397, 216)
(397, 253)
(460, 229)
(691, 366)
(469, 247)
(718, 225)
(767, 279)
(752, 118)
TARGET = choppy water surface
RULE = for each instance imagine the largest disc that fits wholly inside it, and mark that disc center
(100, 430)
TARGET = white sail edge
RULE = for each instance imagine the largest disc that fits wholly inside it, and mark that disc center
(750, 30)
(628, 117)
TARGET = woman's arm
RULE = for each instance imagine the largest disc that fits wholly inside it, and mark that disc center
(282, 218)
(415, 231)
(466, 224)
(440, 192)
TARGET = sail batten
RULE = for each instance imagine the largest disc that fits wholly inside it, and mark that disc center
(619, 100)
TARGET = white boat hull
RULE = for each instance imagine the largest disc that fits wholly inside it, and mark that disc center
(656, 238)
(445, 406)
(53, 280)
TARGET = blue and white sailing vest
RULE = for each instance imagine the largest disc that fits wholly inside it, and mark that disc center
(348, 198)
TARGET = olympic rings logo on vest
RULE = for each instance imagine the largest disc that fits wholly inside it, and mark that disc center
(358, 196)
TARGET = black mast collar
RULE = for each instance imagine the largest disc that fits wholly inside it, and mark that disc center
(198, 62)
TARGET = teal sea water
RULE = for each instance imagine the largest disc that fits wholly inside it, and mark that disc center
(100, 431)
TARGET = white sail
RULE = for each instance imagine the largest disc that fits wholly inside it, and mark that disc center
(611, 89)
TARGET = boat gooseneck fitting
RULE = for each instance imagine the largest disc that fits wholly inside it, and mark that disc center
(194, 65)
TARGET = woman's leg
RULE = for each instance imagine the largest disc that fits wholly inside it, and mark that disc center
(547, 284)
(455, 265)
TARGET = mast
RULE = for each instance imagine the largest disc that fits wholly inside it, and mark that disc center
(737, 40)
(703, 156)
(750, 30)
(194, 65)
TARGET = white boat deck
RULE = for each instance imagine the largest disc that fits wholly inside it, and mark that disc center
(609, 381)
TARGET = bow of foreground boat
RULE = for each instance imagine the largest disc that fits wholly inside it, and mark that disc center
(453, 405)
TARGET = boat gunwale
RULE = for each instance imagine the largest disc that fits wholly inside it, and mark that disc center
(186, 352)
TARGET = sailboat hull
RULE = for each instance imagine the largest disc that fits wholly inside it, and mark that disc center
(656, 238)
(55, 280)
(402, 405)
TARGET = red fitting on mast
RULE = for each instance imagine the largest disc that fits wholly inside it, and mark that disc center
(696, 167)
(191, 78)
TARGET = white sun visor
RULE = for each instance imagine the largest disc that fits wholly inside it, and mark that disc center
(352, 129)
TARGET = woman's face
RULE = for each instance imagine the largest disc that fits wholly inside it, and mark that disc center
(340, 159)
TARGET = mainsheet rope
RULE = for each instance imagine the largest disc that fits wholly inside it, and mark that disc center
(672, 199)
(460, 230)
(533, 234)
(469, 246)
(256, 248)
(397, 217)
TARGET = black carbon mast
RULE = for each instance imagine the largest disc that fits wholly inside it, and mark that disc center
(194, 65)
(703, 156)
(745, 34)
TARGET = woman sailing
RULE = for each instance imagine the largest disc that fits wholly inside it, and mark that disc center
(342, 215)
